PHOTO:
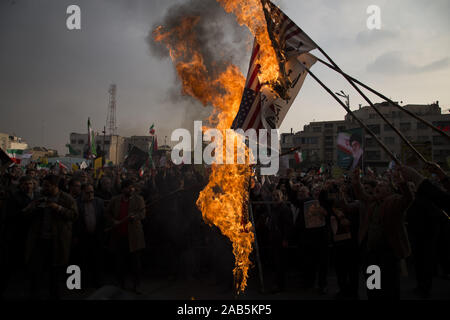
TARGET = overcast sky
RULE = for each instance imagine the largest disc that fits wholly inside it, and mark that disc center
(52, 79)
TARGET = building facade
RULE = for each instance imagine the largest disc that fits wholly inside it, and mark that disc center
(113, 147)
(8, 141)
(318, 140)
(41, 152)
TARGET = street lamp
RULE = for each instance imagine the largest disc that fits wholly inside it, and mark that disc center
(346, 96)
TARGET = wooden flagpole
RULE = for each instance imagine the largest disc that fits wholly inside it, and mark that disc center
(402, 137)
(397, 161)
(263, 3)
(444, 134)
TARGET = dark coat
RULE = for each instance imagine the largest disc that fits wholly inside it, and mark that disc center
(136, 208)
(393, 215)
(282, 223)
(61, 224)
(79, 228)
(435, 195)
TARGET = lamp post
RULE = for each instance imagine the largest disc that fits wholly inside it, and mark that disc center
(346, 96)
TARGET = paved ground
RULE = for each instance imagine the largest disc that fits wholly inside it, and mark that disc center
(205, 288)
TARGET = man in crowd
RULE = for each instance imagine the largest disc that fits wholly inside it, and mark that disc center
(16, 229)
(369, 214)
(75, 188)
(126, 211)
(88, 235)
(50, 235)
(383, 235)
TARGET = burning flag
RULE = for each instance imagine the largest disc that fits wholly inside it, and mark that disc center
(224, 200)
(265, 105)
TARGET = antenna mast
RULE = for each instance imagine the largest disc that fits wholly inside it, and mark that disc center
(111, 118)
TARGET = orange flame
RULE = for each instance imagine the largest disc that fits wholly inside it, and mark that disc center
(223, 199)
(250, 13)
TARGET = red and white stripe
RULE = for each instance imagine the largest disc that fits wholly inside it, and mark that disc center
(253, 119)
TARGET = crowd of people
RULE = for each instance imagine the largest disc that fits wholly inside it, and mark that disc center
(131, 224)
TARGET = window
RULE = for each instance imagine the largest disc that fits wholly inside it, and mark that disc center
(421, 126)
(396, 114)
(423, 138)
(80, 141)
(370, 142)
(328, 125)
(317, 129)
(387, 127)
(405, 126)
(375, 128)
(439, 140)
(373, 155)
(341, 128)
(441, 154)
(389, 140)
(73, 141)
(373, 116)
(311, 140)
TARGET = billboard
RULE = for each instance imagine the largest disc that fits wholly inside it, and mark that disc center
(350, 149)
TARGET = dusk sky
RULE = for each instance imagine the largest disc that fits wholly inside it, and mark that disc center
(53, 79)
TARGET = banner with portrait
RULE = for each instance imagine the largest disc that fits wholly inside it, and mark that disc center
(314, 214)
(350, 149)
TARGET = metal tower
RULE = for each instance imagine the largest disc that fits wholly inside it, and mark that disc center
(111, 118)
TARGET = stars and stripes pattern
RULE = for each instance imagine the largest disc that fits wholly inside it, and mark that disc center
(291, 41)
(249, 114)
(290, 38)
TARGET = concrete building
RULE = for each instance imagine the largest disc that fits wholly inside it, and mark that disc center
(318, 139)
(115, 147)
(8, 141)
(41, 152)
(141, 142)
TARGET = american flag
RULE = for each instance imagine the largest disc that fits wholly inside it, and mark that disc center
(249, 114)
(291, 40)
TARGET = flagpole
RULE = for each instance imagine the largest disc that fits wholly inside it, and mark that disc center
(402, 137)
(397, 161)
(412, 114)
(444, 134)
